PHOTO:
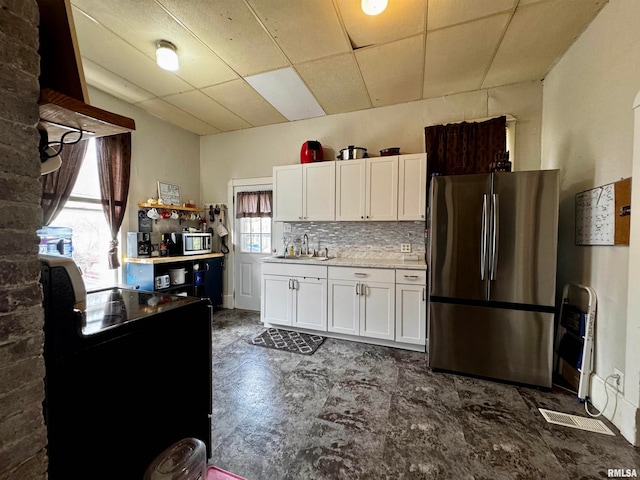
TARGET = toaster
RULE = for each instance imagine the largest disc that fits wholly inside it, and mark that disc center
(162, 281)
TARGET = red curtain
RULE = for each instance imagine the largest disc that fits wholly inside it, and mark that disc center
(114, 170)
(57, 186)
(467, 147)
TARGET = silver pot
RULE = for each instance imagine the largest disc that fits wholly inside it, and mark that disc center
(351, 153)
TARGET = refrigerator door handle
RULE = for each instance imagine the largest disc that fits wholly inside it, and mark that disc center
(483, 237)
(495, 234)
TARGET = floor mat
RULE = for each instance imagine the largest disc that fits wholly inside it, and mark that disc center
(280, 339)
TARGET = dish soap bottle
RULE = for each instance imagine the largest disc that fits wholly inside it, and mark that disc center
(291, 250)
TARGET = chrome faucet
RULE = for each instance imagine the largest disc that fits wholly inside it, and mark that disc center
(305, 245)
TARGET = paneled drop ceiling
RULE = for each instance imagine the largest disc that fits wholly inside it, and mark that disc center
(349, 61)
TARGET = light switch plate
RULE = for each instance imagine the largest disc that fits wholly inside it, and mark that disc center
(405, 248)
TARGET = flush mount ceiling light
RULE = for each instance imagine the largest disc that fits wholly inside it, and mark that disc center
(166, 55)
(374, 7)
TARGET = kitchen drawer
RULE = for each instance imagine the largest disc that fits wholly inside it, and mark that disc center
(292, 270)
(385, 275)
(418, 277)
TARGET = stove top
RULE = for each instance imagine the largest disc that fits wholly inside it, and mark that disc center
(107, 309)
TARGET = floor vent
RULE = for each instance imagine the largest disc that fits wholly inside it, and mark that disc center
(575, 421)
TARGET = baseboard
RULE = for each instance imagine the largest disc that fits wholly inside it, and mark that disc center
(620, 411)
(227, 301)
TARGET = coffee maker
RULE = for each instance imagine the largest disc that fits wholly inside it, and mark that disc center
(139, 244)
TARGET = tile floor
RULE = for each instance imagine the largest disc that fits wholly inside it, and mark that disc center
(356, 411)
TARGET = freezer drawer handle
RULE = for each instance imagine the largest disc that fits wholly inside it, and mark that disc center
(360, 274)
(495, 236)
(411, 276)
(483, 237)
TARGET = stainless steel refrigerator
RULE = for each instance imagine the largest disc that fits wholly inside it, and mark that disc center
(492, 264)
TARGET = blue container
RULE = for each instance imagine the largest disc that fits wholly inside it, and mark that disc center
(56, 241)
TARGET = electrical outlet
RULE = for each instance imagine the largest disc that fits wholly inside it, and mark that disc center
(405, 248)
(287, 228)
(619, 381)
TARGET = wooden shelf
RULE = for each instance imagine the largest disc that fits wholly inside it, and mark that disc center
(170, 207)
(60, 113)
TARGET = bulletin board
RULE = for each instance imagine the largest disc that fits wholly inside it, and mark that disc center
(603, 214)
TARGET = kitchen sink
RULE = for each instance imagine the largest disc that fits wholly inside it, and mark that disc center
(304, 257)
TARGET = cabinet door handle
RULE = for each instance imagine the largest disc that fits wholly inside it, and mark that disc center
(360, 274)
(206, 266)
(411, 276)
(357, 289)
(296, 285)
(289, 284)
(363, 291)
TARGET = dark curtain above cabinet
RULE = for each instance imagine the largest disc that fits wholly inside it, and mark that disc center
(464, 148)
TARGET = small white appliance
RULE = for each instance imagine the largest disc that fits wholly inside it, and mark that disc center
(196, 243)
(163, 281)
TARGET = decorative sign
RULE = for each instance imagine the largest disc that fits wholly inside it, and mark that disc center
(168, 193)
(602, 214)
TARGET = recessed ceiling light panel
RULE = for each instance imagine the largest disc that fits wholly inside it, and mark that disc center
(287, 93)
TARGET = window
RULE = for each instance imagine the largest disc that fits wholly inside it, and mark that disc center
(84, 215)
(255, 235)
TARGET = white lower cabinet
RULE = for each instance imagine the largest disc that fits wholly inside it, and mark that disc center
(361, 302)
(294, 295)
(377, 303)
(411, 306)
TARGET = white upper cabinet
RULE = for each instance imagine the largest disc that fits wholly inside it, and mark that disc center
(350, 190)
(412, 186)
(287, 193)
(304, 192)
(367, 189)
(319, 191)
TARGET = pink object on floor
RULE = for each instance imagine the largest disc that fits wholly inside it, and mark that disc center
(215, 473)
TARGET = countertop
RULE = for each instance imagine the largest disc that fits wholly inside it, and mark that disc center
(352, 262)
(181, 258)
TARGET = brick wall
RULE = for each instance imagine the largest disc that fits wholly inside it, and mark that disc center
(22, 430)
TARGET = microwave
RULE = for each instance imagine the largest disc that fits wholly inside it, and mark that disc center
(196, 243)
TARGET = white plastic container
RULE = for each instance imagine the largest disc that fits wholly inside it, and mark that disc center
(184, 460)
(177, 275)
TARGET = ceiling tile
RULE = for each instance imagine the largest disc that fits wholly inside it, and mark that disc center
(401, 19)
(534, 41)
(207, 110)
(393, 72)
(245, 102)
(144, 25)
(171, 114)
(231, 30)
(304, 30)
(111, 83)
(443, 13)
(336, 83)
(114, 54)
(453, 64)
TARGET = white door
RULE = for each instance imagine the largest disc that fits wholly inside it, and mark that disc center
(276, 302)
(382, 189)
(412, 186)
(344, 305)
(411, 314)
(309, 304)
(287, 193)
(377, 310)
(319, 191)
(252, 242)
(350, 190)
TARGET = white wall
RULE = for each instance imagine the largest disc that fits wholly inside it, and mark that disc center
(588, 133)
(253, 153)
(159, 151)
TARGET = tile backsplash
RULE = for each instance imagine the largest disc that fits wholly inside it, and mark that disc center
(358, 239)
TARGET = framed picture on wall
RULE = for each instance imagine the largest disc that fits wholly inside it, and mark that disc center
(168, 193)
